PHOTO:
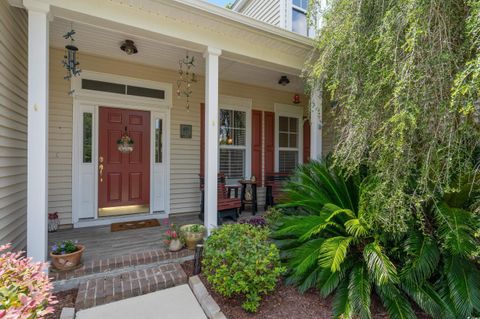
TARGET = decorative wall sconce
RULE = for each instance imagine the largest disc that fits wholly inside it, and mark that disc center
(128, 46)
(296, 99)
(283, 80)
(187, 77)
(70, 58)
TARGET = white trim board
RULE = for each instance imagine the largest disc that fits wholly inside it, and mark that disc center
(90, 101)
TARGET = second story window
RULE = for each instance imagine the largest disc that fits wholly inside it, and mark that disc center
(299, 18)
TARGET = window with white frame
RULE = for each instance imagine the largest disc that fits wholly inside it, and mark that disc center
(299, 18)
(232, 143)
(288, 143)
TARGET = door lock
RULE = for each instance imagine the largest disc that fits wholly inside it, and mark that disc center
(100, 168)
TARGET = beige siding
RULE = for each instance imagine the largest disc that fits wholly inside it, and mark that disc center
(13, 125)
(185, 153)
(264, 10)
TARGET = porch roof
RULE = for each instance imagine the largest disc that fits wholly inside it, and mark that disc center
(192, 25)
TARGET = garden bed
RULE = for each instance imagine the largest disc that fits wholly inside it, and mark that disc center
(286, 303)
(65, 299)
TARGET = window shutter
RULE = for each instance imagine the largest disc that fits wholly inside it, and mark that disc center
(202, 139)
(257, 144)
(306, 141)
(269, 142)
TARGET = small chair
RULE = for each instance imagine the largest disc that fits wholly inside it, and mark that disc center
(275, 183)
(226, 205)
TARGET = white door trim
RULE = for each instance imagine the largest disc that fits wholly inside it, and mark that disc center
(92, 100)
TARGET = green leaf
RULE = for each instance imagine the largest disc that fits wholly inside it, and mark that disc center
(341, 306)
(328, 281)
(463, 280)
(359, 292)
(356, 228)
(398, 307)
(379, 265)
(424, 256)
(333, 252)
(427, 299)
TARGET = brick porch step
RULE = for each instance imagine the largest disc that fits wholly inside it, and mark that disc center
(99, 291)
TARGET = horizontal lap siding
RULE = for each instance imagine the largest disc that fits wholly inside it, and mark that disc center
(264, 10)
(13, 125)
(185, 153)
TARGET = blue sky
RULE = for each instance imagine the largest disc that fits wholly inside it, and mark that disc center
(221, 3)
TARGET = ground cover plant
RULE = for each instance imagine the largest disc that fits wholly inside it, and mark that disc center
(328, 244)
(239, 261)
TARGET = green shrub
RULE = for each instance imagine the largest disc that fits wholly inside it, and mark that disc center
(329, 245)
(239, 260)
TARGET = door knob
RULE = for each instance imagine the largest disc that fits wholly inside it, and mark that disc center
(100, 168)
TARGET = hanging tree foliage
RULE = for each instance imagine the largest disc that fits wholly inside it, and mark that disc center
(406, 75)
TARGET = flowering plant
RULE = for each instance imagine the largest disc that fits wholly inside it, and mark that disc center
(172, 233)
(64, 247)
(25, 290)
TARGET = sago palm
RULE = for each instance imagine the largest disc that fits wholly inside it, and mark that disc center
(328, 245)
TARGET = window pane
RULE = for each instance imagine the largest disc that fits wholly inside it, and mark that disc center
(301, 3)
(240, 119)
(146, 92)
(293, 140)
(283, 124)
(299, 22)
(158, 140)
(293, 124)
(103, 86)
(283, 140)
(232, 163)
(87, 137)
(287, 161)
(238, 137)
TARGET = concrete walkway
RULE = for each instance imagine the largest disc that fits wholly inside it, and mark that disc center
(173, 303)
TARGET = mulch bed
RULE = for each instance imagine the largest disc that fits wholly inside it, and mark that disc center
(65, 299)
(285, 302)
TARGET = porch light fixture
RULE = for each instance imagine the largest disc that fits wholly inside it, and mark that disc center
(187, 77)
(128, 46)
(70, 58)
(283, 80)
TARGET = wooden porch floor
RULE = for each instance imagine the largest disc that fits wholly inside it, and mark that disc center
(101, 243)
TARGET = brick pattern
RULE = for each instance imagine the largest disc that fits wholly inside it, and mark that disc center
(134, 283)
(118, 262)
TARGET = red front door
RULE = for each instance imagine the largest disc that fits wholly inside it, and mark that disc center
(124, 178)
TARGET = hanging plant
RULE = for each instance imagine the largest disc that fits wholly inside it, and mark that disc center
(125, 143)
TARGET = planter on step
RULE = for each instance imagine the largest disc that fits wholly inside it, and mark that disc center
(175, 245)
(193, 234)
(67, 261)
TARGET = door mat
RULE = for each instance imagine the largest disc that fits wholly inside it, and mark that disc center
(134, 225)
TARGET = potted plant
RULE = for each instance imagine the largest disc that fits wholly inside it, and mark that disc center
(174, 240)
(193, 234)
(66, 255)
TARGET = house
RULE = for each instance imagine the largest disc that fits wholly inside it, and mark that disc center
(290, 15)
(61, 138)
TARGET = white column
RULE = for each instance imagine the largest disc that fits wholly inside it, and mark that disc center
(211, 136)
(37, 189)
(316, 123)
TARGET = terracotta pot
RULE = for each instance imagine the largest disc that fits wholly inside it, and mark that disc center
(191, 238)
(68, 261)
(175, 245)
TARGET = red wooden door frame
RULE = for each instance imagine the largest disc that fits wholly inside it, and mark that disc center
(125, 179)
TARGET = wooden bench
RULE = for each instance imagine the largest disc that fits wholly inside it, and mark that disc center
(275, 183)
(226, 205)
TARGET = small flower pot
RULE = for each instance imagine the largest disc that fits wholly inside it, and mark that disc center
(192, 238)
(175, 245)
(67, 261)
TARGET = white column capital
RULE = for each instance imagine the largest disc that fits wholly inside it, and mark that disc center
(36, 6)
(212, 51)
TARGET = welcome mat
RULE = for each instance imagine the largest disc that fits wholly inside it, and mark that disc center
(134, 225)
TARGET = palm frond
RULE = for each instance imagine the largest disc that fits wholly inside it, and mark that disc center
(427, 299)
(463, 279)
(302, 260)
(455, 228)
(328, 281)
(333, 252)
(379, 265)
(297, 226)
(341, 306)
(359, 292)
(424, 256)
(398, 307)
(356, 227)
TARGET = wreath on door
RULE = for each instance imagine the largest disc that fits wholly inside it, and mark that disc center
(125, 143)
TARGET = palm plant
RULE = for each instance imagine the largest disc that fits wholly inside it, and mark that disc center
(328, 244)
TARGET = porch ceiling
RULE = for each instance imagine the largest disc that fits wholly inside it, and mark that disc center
(104, 42)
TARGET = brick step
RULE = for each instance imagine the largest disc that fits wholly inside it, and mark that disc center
(100, 268)
(99, 291)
